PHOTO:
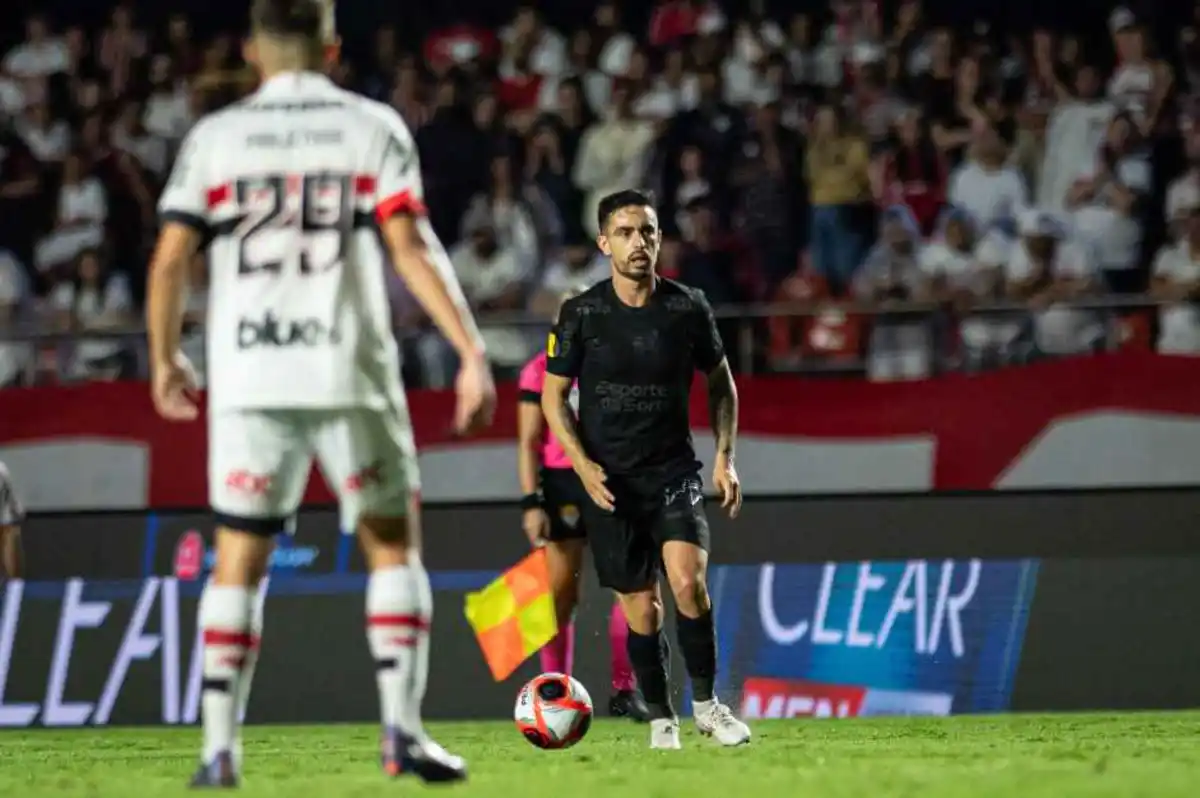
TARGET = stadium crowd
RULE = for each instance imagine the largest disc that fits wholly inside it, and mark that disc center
(858, 165)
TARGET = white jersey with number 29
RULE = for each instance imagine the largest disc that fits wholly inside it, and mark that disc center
(288, 186)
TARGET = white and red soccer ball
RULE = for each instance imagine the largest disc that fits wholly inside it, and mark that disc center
(553, 711)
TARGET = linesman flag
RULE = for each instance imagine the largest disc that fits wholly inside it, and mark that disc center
(513, 617)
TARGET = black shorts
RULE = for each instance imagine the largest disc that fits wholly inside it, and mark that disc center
(564, 498)
(627, 543)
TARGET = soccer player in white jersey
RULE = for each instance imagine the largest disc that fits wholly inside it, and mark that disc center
(289, 190)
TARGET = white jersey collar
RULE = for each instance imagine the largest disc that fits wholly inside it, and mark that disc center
(291, 82)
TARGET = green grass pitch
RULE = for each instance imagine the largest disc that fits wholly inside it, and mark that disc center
(1125, 756)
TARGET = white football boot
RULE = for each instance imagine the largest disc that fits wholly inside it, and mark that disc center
(664, 734)
(715, 720)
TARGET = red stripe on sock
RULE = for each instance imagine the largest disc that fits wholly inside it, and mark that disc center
(222, 637)
(403, 621)
(255, 640)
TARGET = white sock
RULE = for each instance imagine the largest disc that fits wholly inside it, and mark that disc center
(410, 718)
(225, 620)
(246, 676)
(397, 633)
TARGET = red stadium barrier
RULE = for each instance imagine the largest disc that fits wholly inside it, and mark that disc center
(1127, 419)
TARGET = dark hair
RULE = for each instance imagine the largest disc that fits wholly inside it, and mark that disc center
(622, 199)
(291, 18)
(104, 274)
(588, 114)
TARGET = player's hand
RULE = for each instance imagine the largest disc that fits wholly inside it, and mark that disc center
(725, 480)
(537, 526)
(476, 391)
(173, 388)
(594, 481)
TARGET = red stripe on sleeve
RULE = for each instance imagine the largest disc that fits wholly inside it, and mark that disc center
(404, 202)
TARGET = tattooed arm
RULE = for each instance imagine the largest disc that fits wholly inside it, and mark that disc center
(723, 408)
(722, 404)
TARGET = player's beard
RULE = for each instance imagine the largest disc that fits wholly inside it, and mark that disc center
(638, 271)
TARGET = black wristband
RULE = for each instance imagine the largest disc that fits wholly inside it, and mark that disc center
(531, 501)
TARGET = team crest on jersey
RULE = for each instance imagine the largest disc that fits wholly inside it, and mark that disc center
(569, 515)
(552, 345)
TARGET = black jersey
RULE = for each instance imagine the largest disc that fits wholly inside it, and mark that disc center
(634, 367)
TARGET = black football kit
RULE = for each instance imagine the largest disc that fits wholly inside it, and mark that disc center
(634, 367)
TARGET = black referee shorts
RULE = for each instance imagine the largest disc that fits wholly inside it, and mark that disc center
(564, 498)
(627, 543)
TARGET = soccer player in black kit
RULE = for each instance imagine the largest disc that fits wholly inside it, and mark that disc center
(633, 342)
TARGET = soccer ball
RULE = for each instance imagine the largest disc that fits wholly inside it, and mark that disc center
(553, 711)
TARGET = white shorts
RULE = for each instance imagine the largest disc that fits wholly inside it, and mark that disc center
(259, 463)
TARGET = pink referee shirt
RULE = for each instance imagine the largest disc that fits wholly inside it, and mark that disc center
(533, 376)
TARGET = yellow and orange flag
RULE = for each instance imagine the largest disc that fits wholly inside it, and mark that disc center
(513, 617)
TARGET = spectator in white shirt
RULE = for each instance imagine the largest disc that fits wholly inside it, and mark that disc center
(14, 289)
(1183, 194)
(493, 279)
(168, 113)
(547, 48)
(615, 46)
(574, 267)
(900, 347)
(1175, 280)
(1106, 199)
(12, 95)
(692, 185)
(130, 135)
(612, 154)
(40, 54)
(82, 213)
(984, 186)
(743, 71)
(48, 139)
(505, 210)
(1046, 271)
(96, 300)
(596, 86)
(1075, 130)
(963, 271)
(1141, 84)
(949, 264)
(995, 244)
(814, 62)
(673, 91)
